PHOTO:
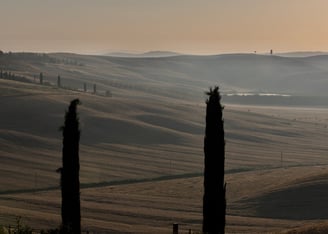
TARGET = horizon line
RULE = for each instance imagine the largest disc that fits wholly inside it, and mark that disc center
(177, 53)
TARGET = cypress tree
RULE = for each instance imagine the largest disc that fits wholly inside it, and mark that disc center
(41, 78)
(214, 200)
(70, 184)
(58, 81)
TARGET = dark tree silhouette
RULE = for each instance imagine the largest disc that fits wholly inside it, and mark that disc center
(214, 200)
(70, 184)
(41, 78)
(58, 81)
(94, 88)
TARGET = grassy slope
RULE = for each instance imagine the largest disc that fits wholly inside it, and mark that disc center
(179, 76)
(153, 206)
(148, 130)
(130, 139)
(256, 136)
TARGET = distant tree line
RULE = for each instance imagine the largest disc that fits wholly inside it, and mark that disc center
(12, 76)
(39, 58)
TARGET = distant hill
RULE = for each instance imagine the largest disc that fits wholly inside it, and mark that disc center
(153, 54)
(302, 54)
(268, 78)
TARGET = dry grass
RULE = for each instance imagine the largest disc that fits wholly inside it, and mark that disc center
(131, 139)
(153, 206)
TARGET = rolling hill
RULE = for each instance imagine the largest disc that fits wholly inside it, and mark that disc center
(178, 76)
(141, 149)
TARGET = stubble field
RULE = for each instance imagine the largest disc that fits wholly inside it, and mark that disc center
(142, 162)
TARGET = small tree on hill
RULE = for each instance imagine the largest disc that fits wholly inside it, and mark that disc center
(58, 81)
(214, 200)
(70, 183)
(41, 78)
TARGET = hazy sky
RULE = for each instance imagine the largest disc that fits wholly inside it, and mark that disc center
(188, 26)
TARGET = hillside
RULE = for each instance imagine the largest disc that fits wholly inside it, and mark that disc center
(181, 77)
(127, 134)
(150, 54)
(141, 151)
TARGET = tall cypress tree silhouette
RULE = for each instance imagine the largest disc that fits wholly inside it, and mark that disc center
(214, 200)
(70, 184)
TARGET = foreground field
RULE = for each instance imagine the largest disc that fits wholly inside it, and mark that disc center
(259, 201)
(142, 162)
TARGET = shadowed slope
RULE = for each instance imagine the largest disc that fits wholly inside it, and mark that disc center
(307, 201)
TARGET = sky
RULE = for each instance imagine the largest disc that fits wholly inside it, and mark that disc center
(185, 26)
